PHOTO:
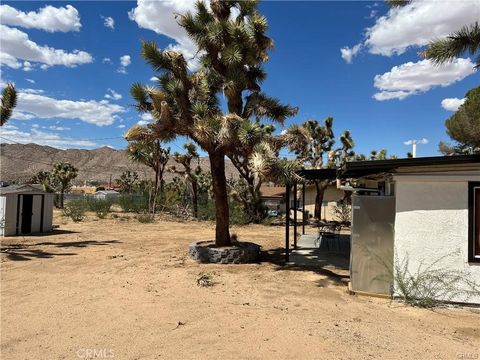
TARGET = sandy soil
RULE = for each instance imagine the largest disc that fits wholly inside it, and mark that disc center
(124, 290)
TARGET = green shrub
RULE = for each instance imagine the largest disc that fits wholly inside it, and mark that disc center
(133, 203)
(431, 285)
(145, 218)
(99, 207)
(75, 210)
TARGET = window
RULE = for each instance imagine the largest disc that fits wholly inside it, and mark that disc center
(474, 221)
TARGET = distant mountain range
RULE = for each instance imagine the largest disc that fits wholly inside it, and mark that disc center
(19, 162)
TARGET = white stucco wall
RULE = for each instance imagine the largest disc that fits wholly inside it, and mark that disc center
(432, 222)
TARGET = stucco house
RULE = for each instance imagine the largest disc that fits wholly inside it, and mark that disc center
(415, 212)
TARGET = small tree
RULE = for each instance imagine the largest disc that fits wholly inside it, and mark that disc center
(9, 101)
(190, 174)
(464, 126)
(313, 145)
(128, 182)
(62, 174)
(149, 151)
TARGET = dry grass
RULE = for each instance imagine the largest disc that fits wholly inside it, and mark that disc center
(129, 290)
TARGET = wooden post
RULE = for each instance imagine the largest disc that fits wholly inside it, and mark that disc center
(287, 222)
(303, 208)
(295, 207)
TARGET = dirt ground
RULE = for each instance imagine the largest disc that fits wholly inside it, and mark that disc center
(124, 290)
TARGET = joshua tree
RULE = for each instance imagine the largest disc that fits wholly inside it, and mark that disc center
(9, 101)
(313, 145)
(63, 174)
(45, 179)
(232, 46)
(190, 174)
(375, 155)
(127, 182)
(149, 151)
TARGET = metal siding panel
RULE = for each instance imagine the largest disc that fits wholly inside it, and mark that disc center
(371, 260)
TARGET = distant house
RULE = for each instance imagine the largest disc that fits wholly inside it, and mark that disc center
(416, 213)
(274, 199)
(106, 195)
(25, 209)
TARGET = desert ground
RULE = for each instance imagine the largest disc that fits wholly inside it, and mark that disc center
(120, 289)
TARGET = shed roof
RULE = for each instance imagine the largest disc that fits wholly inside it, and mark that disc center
(21, 189)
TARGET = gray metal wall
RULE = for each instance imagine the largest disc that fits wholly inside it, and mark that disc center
(371, 259)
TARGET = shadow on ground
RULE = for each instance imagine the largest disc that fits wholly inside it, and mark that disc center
(25, 252)
(329, 258)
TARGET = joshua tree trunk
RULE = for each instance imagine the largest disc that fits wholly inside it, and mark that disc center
(320, 187)
(195, 198)
(62, 193)
(219, 182)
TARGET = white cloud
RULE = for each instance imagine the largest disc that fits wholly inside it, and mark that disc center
(125, 60)
(43, 138)
(17, 46)
(153, 78)
(349, 53)
(121, 126)
(27, 66)
(31, 81)
(112, 94)
(147, 117)
(99, 113)
(48, 18)
(452, 104)
(159, 16)
(422, 141)
(107, 60)
(416, 24)
(31, 91)
(59, 128)
(109, 22)
(414, 78)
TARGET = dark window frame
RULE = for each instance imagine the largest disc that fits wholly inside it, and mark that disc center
(472, 258)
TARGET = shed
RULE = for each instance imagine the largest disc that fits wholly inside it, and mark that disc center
(106, 195)
(25, 209)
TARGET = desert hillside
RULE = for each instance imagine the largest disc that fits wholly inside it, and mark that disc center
(19, 162)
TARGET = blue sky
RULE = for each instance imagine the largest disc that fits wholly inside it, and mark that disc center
(386, 95)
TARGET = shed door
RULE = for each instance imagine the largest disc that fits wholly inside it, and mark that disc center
(37, 213)
(27, 212)
(371, 259)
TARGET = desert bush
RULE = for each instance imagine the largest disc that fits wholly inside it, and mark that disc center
(100, 207)
(432, 285)
(75, 210)
(145, 218)
(343, 212)
(133, 203)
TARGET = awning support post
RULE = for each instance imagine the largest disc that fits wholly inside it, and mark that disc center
(295, 208)
(287, 222)
(303, 208)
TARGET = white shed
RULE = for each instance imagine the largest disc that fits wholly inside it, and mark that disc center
(25, 209)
